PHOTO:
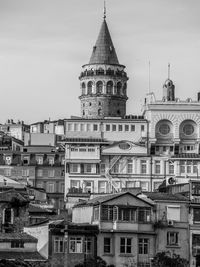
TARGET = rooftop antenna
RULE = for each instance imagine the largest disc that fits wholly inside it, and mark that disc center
(168, 70)
(149, 77)
(104, 10)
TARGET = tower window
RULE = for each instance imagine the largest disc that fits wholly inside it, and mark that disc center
(109, 87)
(83, 113)
(99, 103)
(119, 86)
(99, 111)
(83, 89)
(124, 89)
(99, 87)
(89, 87)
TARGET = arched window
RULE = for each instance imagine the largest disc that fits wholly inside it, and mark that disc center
(119, 86)
(109, 88)
(124, 89)
(100, 71)
(99, 87)
(89, 87)
(83, 89)
(99, 111)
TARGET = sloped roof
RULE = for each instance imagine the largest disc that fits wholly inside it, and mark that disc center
(34, 208)
(9, 195)
(165, 196)
(22, 255)
(107, 197)
(104, 51)
(17, 236)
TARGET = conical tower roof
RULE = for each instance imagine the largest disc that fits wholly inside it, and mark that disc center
(104, 51)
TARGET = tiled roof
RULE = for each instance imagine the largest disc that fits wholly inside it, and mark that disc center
(8, 196)
(27, 256)
(165, 196)
(186, 155)
(17, 236)
(104, 51)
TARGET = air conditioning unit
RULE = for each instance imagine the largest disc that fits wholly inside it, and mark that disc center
(170, 222)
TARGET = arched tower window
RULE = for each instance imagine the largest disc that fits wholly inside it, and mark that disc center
(99, 111)
(124, 89)
(83, 89)
(99, 87)
(89, 87)
(119, 86)
(100, 71)
(109, 87)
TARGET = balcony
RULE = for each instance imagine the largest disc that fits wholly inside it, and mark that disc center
(112, 73)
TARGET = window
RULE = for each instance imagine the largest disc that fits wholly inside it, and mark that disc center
(39, 173)
(125, 245)
(188, 129)
(82, 127)
(132, 128)
(96, 213)
(126, 127)
(144, 215)
(99, 87)
(88, 168)
(69, 127)
(95, 127)
(25, 160)
(90, 149)
(109, 87)
(115, 168)
(172, 238)
(142, 128)
(17, 244)
(171, 168)
(50, 187)
(164, 129)
(130, 184)
(40, 160)
(127, 215)
(75, 245)
(103, 167)
(130, 166)
(74, 168)
(173, 213)
(89, 87)
(51, 161)
(143, 245)
(88, 127)
(107, 213)
(157, 166)
(51, 173)
(75, 183)
(120, 128)
(102, 187)
(144, 186)
(58, 244)
(143, 166)
(196, 215)
(25, 172)
(107, 245)
(7, 216)
(107, 127)
(88, 245)
(87, 187)
(114, 127)
(62, 187)
(75, 127)
(7, 172)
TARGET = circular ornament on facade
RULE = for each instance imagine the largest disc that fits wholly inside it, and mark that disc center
(125, 146)
(188, 129)
(164, 129)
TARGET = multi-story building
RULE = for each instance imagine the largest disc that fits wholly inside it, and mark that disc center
(132, 229)
(41, 167)
(15, 129)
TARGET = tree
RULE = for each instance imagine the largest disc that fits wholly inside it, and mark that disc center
(164, 259)
(98, 262)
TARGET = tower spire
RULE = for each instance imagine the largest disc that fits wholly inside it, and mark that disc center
(168, 70)
(104, 10)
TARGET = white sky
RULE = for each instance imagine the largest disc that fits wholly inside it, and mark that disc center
(44, 43)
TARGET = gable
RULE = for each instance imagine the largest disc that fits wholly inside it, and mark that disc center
(127, 200)
(124, 148)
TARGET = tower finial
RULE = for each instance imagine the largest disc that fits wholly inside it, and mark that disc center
(104, 10)
(168, 70)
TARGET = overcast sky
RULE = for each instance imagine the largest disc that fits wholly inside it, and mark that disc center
(44, 43)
